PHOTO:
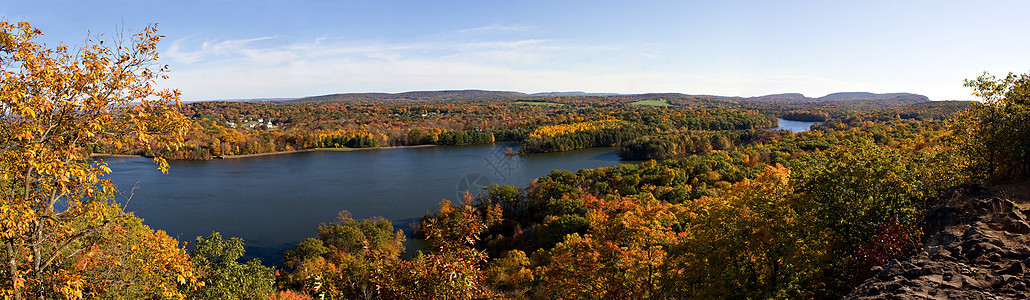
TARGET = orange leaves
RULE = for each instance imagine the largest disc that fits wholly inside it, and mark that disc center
(752, 242)
(768, 189)
(575, 268)
(640, 220)
(65, 100)
(459, 226)
(57, 103)
(16, 217)
(452, 268)
(621, 257)
(511, 273)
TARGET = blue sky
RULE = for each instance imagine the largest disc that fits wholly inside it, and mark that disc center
(256, 49)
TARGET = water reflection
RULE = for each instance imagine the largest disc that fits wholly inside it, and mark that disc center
(272, 202)
(793, 126)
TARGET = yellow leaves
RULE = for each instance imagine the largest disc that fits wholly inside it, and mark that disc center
(445, 207)
(562, 129)
(162, 164)
(19, 281)
(62, 102)
(27, 112)
(16, 219)
(104, 168)
(72, 288)
(772, 183)
(712, 176)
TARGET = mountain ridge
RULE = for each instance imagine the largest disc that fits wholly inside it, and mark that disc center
(473, 94)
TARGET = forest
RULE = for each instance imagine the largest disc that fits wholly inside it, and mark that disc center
(221, 129)
(697, 123)
(719, 207)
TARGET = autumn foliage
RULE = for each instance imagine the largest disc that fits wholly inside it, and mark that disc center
(62, 235)
(730, 210)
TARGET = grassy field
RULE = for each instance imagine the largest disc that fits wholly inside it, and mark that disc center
(655, 102)
(538, 103)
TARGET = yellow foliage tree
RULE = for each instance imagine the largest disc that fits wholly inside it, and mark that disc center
(991, 135)
(56, 104)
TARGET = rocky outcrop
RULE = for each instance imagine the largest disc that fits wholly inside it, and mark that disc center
(976, 246)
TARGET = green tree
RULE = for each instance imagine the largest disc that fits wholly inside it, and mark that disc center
(452, 268)
(750, 243)
(343, 260)
(511, 274)
(994, 135)
(508, 197)
(851, 192)
(222, 277)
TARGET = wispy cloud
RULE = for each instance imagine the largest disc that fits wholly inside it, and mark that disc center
(258, 67)
(209, 49)
(499, 27)
(272, 67)
(245, 50)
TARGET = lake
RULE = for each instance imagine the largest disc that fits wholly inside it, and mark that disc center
(273, 202)
(793, 126)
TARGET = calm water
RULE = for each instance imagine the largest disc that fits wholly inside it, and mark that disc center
(794, 126)
(273, 202)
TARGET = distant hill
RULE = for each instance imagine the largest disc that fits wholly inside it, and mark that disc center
(243, 100)
(418, 96)
(849, 99)
(900, 97)
(780, 104)
(789, 97)
(571, 94)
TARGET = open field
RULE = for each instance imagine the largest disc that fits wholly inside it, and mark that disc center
(654, 102)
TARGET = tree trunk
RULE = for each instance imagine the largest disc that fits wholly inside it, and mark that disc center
(13, 268)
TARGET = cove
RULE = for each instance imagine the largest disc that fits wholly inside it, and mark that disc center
(793, 126)
(273, 202)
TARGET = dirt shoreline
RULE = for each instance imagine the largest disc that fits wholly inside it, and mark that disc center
(316, 149)
(276, 153)
(263, 154)
(113, 155)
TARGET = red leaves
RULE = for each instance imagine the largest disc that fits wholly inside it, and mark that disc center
(893, 240)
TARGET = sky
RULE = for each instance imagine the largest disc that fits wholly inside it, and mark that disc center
(228, 49)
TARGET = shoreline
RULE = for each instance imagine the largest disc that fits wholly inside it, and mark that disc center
(113, 155)
(316, 150)
(274, 153)
(261, 154)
